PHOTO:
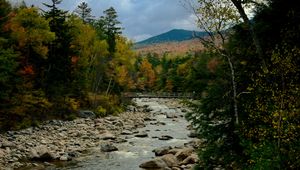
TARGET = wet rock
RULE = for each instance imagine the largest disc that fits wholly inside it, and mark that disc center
(171, 115)
(108, 147)
(192, 134)
(141, 135)
(154, 164)
(126, 132)
(165, 137)
(86, 114)
(131, 108)
(162, 151)
(158, 123)
(148, 119)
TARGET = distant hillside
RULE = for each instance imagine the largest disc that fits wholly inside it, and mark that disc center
(176, 48)
(175, 35)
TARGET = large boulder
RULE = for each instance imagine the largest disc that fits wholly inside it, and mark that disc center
(170, 160)
(182, 154)
(157, 163)
(41, 153)
(86, 114)
(192, 159)
(162, 151)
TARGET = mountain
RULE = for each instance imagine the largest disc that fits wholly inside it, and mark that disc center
(175, 35)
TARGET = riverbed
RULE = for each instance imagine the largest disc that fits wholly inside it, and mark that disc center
(151, 124)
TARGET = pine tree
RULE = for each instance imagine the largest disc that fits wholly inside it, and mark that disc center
(111, 28)
(84, 12)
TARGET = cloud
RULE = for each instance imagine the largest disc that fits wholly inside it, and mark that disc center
(140, 18)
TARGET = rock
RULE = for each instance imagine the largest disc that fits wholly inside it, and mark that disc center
(120, 140)
(141, 135)
(86, 114)
(170, 160)
(154, 164)
(48, 156)
(41, 153)
(108, 136)
(131, 108)
(192, 134)
(8, 144)
(108, 147)
(64, 158)
(2, 153)
(171, 115)
(193, 158)
(162, 151)
(126, 132)
(147, 119)
(184, 153)
(165, 137)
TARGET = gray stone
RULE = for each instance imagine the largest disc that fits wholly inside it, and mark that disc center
(192, 134)
(86, 114)
(108, 147)
(64, 158)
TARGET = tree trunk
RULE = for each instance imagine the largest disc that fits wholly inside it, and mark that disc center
(259, 50)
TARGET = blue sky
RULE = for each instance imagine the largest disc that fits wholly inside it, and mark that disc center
(140, 18)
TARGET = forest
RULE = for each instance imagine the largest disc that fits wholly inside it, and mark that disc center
(56, 62)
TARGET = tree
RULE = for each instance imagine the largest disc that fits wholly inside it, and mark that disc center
(146, 76)
(84, 12)
(110, 25)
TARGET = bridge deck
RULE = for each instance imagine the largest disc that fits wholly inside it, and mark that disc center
(159, 95)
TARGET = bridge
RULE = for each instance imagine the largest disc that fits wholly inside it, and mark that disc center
(158, 95)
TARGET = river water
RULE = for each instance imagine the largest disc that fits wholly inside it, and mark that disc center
(138, 150)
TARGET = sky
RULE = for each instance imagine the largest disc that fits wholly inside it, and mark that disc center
(140, 19)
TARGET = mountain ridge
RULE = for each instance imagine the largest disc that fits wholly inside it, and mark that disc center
(174, 35)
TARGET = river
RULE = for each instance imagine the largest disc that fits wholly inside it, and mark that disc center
(139, 149)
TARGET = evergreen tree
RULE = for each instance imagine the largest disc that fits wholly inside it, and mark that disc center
(111, 28)
(84, 12)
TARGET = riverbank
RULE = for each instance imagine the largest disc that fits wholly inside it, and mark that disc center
(63, 141)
